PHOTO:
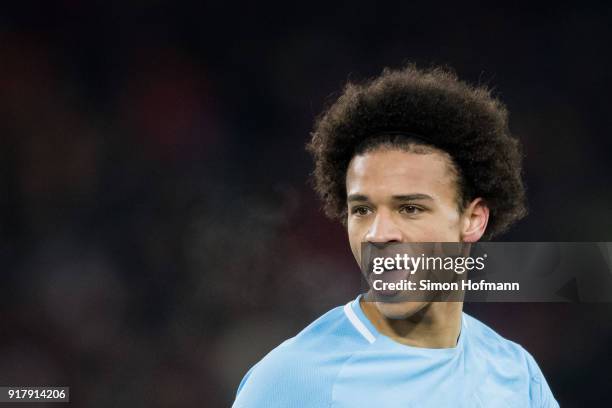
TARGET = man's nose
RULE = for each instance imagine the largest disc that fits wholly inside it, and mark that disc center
(383, 230)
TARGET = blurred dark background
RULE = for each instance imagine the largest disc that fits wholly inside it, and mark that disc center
(158, 234)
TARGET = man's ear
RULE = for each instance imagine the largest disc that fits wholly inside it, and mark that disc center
(475, 219)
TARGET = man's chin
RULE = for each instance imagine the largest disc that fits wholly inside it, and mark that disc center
(399, 310)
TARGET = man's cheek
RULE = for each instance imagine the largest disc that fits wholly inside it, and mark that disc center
(354, 242)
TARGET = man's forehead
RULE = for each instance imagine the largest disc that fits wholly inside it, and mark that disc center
(398, 167)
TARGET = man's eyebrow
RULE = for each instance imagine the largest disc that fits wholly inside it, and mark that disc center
(356, 197)
(412, 197)
(400, 197)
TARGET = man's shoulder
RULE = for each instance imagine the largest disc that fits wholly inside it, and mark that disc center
(304, 366)
(508, 359)
(493, 347)
(488, 340)
(331, 332)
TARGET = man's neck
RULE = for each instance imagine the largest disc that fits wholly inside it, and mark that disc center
(436, 325)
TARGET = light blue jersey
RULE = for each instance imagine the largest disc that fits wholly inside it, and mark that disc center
(341, 360)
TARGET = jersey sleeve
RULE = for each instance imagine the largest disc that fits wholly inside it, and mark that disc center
(539, 392)
(283, 379)
(301, 372)
(244, 380)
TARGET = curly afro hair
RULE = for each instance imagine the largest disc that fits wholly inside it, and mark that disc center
(462, 120)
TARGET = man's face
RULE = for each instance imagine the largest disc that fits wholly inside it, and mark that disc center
(399, 196)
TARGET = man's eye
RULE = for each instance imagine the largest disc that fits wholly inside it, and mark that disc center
(360, 211)
(410, 209)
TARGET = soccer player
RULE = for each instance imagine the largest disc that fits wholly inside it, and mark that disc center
(411, 156)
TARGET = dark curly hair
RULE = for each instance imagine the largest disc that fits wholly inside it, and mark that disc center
(462, 120)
